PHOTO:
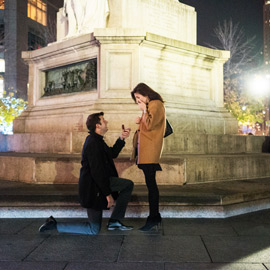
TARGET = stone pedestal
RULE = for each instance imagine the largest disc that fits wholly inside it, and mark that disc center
(128, 51)
(188, 77)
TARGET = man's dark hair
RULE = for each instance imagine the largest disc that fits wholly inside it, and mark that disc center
(92, 120)
(146, 91)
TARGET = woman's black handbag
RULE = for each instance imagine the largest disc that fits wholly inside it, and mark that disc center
(169, 129)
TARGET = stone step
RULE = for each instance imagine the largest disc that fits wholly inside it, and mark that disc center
(177, 169)
(177, 143)
(208, 200)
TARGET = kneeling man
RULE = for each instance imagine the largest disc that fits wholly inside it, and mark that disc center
(99, 184)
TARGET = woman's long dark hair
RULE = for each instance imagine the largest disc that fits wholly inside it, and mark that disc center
(145, 91)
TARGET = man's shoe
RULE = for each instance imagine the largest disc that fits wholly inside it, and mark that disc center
(117, 225)
(50, 224)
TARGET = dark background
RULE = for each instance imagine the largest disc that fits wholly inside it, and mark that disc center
(248, 13)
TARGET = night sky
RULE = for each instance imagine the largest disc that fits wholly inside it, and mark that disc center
(248, 13)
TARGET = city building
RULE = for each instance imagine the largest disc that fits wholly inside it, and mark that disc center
(24, 25)
(266, 18)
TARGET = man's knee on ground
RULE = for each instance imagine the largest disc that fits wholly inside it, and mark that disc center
(95, 229)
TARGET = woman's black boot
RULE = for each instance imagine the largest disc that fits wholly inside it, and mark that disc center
(151, 223)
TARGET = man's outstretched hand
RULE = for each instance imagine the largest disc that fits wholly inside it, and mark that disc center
(125, 133)
(110, 201)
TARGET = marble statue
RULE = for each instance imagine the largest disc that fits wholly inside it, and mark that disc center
(85, 15)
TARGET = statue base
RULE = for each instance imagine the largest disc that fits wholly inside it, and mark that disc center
(65, 87)
(52, 130)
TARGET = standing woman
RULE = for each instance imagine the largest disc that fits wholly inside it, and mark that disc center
(148, 143)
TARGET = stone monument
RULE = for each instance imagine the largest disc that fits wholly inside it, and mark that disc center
(95, 67)
(82, 16)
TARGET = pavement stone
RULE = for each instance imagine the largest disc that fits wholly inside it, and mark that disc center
(250, 249)
(238, 243)
(14, 247)
(197, 227)
(157, 248)
(78, 248)
(214, 266)
(262, 216)
(251, 229)
(8, 226)
(115, 266)
(32, 265)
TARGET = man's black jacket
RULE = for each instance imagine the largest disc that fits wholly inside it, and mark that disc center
(97, 168)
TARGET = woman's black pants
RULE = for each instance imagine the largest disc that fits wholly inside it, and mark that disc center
(153, 192)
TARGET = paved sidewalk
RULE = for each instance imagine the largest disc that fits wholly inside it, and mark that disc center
(235, 243)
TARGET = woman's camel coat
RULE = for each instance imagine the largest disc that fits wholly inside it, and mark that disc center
(149, 136)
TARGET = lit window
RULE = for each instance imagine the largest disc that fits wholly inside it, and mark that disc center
(2, 4)
(37, 11)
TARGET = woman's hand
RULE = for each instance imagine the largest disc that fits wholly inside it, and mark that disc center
(141, 105)
(138, 120)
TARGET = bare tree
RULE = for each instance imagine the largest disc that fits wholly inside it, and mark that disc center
(44, 34)
(232, 38)
(50, 34)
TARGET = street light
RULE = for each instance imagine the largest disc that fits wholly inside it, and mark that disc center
(259, 85)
